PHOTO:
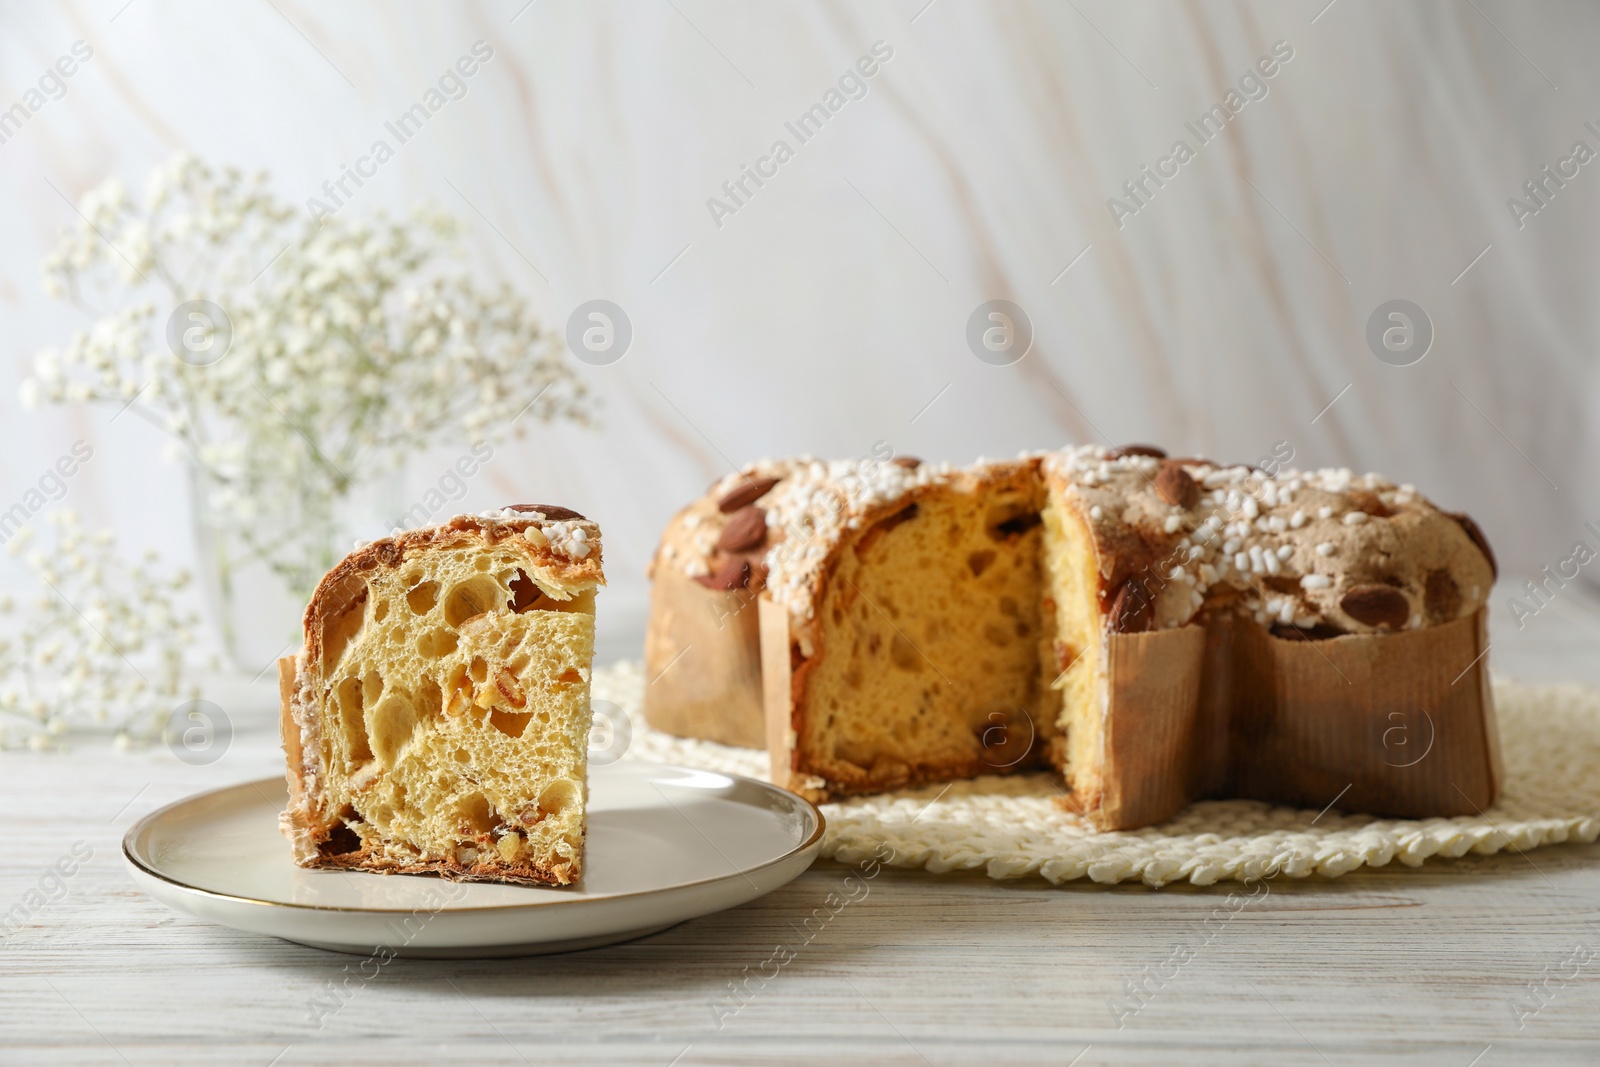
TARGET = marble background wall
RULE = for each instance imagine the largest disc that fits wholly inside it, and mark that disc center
(829, 311)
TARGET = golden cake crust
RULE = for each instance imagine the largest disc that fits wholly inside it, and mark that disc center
(1314, 551)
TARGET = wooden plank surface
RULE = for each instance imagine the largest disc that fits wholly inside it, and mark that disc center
(1393, 966)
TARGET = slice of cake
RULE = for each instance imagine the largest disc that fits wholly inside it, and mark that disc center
(437, 719)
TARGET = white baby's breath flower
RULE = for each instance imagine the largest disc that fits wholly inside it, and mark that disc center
(59, 671)
(365, 340)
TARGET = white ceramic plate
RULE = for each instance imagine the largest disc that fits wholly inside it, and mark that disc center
(665, 844)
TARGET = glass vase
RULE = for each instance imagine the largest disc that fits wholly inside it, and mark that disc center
(257, 573)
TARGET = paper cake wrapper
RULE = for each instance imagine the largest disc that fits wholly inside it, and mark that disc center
(1398, 725)
(702, 652)
(777, 682)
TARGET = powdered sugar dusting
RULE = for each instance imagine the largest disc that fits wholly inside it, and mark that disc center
(1285, 546)
(1252, 537)
(576, 539)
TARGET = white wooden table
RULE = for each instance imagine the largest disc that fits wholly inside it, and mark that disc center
(1392, 966)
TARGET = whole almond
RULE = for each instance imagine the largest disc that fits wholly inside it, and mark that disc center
(1476, 535)
(1138, 450)
(746, 530)
(1176, 487)
(908, 462)
(553, 512)
(731, 573)
(1377, 605)
(743, 495)
(1130, 609)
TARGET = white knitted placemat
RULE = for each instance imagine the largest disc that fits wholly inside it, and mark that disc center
(1011, 827)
